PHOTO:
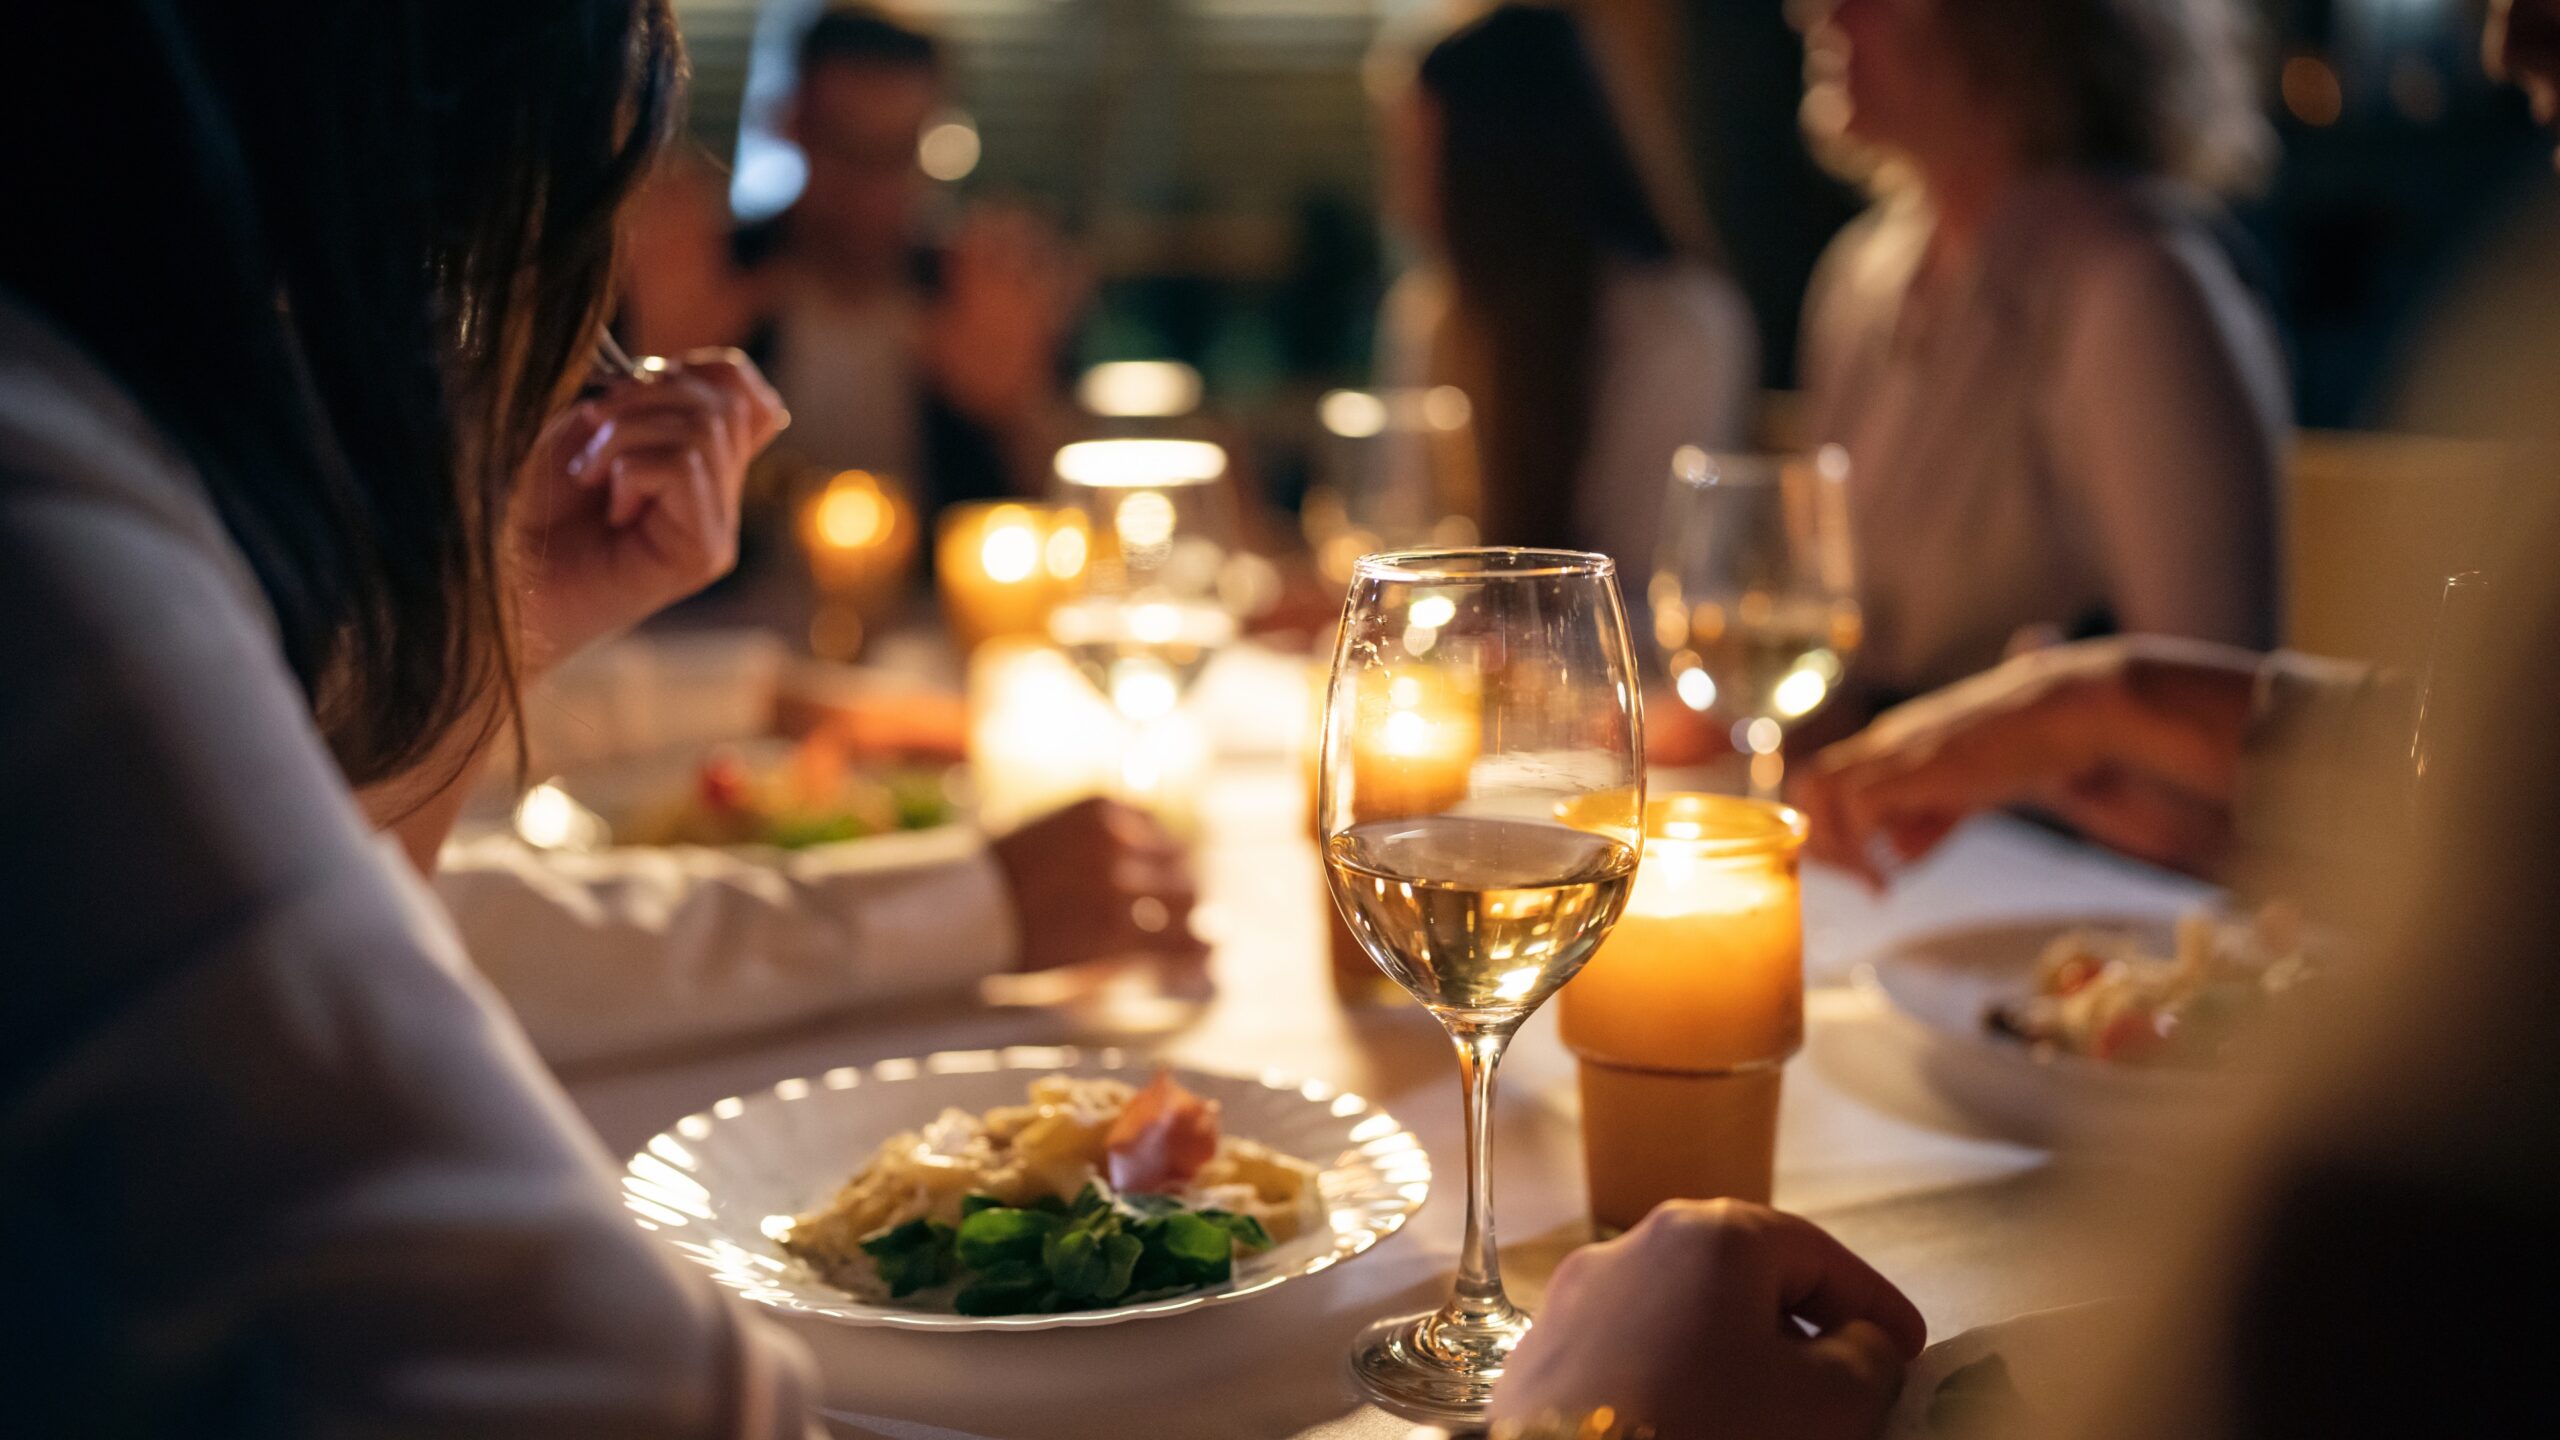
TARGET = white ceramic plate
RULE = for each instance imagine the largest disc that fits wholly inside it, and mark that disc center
(1948, 981)
(712, 1182)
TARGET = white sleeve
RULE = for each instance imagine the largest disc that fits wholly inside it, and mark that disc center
(2169, 432)
(272, 1156)
(633, 949)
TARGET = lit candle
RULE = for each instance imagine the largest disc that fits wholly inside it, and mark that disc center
(1685, 1016)
(1413, 749)
(860, 536)
(1002, 568)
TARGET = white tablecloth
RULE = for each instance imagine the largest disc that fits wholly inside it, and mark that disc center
(1958, 1218)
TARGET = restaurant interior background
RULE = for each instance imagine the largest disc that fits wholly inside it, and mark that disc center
(1217, 161)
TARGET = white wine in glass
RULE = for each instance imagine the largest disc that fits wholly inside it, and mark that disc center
(1481, 805)
(1149, 616)
(1754, 593)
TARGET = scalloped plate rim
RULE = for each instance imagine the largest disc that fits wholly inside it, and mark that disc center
(1350, 1243)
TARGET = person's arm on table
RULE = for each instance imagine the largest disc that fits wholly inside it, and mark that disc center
(634, 949)
(2172, 751)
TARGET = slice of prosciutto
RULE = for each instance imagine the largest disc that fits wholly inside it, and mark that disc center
(1161, 1139)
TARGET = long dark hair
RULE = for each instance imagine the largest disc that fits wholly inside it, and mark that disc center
(350, 256)
(1539, 186)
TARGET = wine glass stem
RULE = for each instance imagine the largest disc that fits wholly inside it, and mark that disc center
(1480, 1300)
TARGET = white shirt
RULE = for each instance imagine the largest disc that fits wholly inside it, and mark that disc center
(2091, 418)
(637, 949)
(272, 1159)
(1678, 364)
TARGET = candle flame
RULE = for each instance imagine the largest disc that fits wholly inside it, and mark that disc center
(852, 513)
(1011, 550)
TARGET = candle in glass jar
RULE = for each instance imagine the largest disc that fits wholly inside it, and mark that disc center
(859, 533)
(1002, 568)
(1415, 748)
(1684, 1017)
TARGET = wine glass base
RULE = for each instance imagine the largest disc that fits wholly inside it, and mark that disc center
(1429, 1367)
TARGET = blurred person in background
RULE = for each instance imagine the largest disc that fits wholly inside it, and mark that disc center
(1568, 285)
(2396, 1171)
(2065, 413)
(933, 359)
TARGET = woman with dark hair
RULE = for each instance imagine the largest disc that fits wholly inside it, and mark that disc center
(1568, 285)
(294, 300)
(2065, 413)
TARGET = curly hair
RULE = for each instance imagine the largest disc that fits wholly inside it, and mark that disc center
(2151, 87)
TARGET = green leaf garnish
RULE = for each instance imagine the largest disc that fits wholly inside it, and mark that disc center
(914, 1256)
(994, 1236)
(1246, 1231)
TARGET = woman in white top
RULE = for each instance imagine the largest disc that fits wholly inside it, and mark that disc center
(2064, 412)
(1567, 286)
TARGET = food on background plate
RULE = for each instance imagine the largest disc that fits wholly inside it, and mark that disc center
(1090, 1196)
(2099, 994)
(813, 796)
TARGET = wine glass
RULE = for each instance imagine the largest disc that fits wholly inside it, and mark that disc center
(1391, 468)
(1754, 593)
(1481, 806)
(1148, 616)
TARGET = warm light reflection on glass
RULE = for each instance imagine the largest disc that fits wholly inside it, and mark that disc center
(1139, 390)
(1352, 414)
(949, 148)
(1134, 464)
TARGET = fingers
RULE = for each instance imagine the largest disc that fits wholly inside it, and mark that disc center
(1822, 1282)
(1857, 1373)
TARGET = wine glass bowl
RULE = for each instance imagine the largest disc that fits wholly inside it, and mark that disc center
(1481, 807)
(1148, 616)
(1754, 593)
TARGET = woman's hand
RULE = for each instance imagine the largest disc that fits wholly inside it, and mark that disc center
(1101, 881)
(630, 502)
(1689, 1323)
(2135, 742)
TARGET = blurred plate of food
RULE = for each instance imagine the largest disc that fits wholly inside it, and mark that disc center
(2036, 1026)
(767, 792)
(1024, 1189)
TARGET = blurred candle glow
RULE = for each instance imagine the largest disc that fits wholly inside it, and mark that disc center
(1002, 568)
(859, 533)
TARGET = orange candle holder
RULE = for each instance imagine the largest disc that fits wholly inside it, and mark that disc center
(1002, 567)
(1685, 1018)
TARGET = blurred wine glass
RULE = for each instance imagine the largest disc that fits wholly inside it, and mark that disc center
(1481, 803)
(1150, 612)
(1754, 593)
(1393, 468)
(2460, 614)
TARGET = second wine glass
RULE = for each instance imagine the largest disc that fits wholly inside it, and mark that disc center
(1754, 593)
(1148, 616)
(1481, 806)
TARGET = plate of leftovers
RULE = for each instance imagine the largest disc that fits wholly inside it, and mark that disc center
(2034, 1020)
(1024, 1189)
